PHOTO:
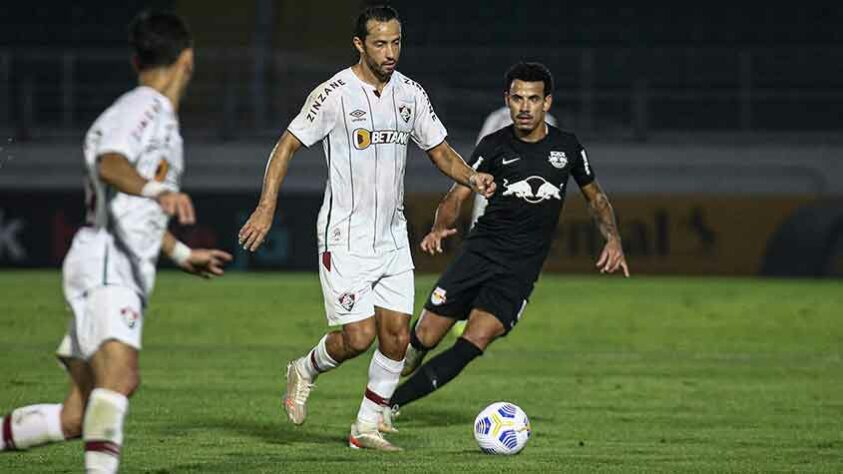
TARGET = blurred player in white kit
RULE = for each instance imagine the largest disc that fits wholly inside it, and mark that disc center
(134, 163)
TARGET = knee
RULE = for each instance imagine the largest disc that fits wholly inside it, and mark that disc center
(394, 342)
(131, 383)
(401, 338)
(125, 382)
(358, 341)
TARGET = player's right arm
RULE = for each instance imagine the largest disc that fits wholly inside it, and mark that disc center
(254, 231)
(314, 122)
(116, 171)
(446, 216)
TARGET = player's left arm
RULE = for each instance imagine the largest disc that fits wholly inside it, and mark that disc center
(452, 165)
(206, 263)
(612, 257)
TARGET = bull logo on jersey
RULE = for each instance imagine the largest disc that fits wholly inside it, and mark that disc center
(524, 189)
(438, 296)
(558, 159)
(405, 113)
(130, 317)
(364, 138)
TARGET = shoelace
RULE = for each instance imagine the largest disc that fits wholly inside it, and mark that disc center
(302, 391)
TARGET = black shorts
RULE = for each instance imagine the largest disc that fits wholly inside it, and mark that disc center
(473, 281)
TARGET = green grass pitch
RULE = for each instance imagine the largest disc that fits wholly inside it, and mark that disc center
(638, 375)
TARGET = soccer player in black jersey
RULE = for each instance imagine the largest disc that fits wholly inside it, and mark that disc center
(490, 280)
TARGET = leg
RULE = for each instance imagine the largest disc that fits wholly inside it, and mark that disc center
(393, 295)
(333, 349)
(430, 329)
(73, 409)
(503, 299)
(115, 368)
(384, 372)
(386, 365)
(426, 334)
(111, 338)
(481, 330)
(37, 425)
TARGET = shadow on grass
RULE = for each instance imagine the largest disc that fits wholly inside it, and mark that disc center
(270, 432)
(425, 416)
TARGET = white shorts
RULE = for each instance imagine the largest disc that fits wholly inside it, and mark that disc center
(103, 313)
(353, 285)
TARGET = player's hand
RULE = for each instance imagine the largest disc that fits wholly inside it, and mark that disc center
(254, 231)
(206, 263)
(432, 242)
(179, 205)
(612, 258)
(483, 184)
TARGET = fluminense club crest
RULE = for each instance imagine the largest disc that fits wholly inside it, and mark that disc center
(405, 113)
(347, 300)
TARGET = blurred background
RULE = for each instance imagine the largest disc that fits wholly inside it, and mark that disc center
(715, 130)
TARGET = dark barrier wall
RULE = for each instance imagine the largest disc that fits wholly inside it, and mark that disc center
(678, 234)
(808, 244)
(36, 228)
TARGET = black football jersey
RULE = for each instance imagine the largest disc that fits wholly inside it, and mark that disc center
(520, 220)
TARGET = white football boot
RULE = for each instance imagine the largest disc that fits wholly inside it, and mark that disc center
(368, 437)
(298, 389)
(387, 417)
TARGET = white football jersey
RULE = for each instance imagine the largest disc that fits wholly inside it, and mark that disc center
(121, 240)
(364, 136)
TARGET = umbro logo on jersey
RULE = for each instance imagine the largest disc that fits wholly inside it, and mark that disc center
(511, 160)
(358, 114)
(364, 138)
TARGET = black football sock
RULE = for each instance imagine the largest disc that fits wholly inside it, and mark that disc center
(436, 372)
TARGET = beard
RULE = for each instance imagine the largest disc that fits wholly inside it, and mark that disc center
(379, 70)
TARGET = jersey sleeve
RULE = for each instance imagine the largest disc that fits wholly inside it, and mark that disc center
(582, 170)
(122, 130)
(317, 116)
(428, 131)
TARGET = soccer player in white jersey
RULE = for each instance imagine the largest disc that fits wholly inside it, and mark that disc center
(364, 116)
(133, 160)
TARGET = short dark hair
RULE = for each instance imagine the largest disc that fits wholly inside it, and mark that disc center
(158, 38)
(382, 13)
(529, 72)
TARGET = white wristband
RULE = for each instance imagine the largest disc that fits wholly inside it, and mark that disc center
(152, 189)
(180, 253)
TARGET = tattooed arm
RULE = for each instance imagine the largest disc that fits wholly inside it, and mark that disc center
(612, 256)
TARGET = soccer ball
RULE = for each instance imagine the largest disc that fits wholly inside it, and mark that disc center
(502, 428)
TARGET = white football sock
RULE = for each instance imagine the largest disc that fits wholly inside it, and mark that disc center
(317, 360)
(31, 426)
(383, 379)
(102, 430)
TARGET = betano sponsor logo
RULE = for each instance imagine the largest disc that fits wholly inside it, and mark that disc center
(363, 138)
